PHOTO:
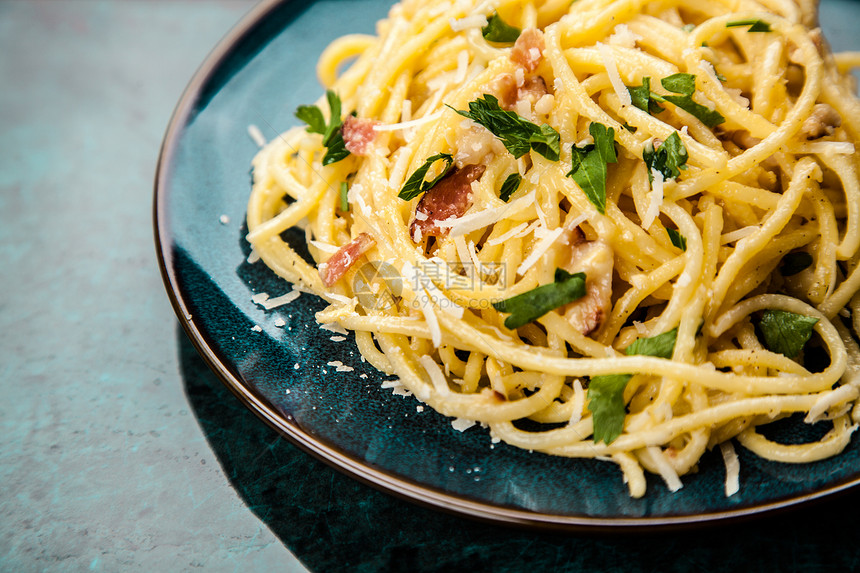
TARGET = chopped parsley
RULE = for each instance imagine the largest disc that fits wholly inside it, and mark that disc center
(499, 31)
(533, 304)
(785, 332)
(331, 132)
(677, 238)
(755, 25)
(606, 393)
(589, 164)
(606, 403)
(516, 133)
(416, 184)
(641, 97)
(510, 186)
(682, 84)
(668, 159)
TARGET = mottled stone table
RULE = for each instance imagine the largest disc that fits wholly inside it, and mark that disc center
(120, 450)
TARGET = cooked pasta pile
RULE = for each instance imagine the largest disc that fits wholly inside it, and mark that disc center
(610, 229)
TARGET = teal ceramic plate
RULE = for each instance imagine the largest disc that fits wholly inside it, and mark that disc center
(258, 75)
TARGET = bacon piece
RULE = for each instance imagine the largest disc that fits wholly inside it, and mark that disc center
(504, 87)
(449, 198)
(528, 49)
(595, 259)
(344, 258)
(822, 121)
(358, 134)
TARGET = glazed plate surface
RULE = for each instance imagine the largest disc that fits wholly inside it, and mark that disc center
(258, 76)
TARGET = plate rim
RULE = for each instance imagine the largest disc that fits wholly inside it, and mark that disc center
(411, 491)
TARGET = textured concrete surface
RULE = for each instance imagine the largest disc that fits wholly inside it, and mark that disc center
(103, 465)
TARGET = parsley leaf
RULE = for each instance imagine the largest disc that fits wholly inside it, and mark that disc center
(313, 116)
(662, 345)
(668, 159)
(606, 403)
(331, 132)
(685, 84)
(589, 164)
(517, 134)
(681, 83)
(606, 393)
(416, 185)
(344, 202)
(793, 263)
(533, 304)
(336, 149)
(755, 25)
(785, 332)
(677, 238)
(499, 31)
(641, 97)
(510, 186)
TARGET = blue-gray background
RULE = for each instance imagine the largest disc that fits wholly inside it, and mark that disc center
(119, 449)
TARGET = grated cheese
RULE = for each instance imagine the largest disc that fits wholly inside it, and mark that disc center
(614, 77)
(578, 402)
(733, 466)
(334, 327)
(667, 472)
(474, 21)
(257, 135)
(539, 249)
(462, 424)
(504, 237)
(479, 220)
(269, 303)
(408, 124)
(435, 374)
(841, 394)
(656, 199)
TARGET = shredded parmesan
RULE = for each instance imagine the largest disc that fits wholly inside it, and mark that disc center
(578, 402)
(655, 199)
(473, 21)
(435, 374)
(480, 219)
(462, 424)
(667, 472)
(539, 249)
(334, 327)
(408, 124)
(504, 237)
(269, 303)
(838, 396)
(733, 466)
(612, 71)
(257, 135)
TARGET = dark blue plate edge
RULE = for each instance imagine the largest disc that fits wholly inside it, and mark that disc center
(357, 469)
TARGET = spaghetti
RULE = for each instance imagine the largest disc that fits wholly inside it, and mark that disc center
(609, 229)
